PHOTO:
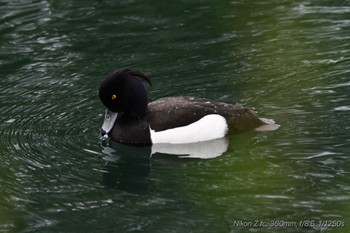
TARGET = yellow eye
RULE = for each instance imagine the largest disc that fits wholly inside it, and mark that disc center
(114, 97)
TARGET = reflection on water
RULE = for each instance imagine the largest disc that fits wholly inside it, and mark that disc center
(287, 59)
(127, 167)
(201, 150)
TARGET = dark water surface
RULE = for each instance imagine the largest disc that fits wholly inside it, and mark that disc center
(288, 59)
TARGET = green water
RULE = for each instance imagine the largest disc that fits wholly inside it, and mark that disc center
(288, 59)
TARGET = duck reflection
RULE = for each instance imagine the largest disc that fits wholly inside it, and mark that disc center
(128, 167)
(201, 150)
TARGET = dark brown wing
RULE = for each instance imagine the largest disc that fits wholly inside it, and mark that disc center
(172, 112)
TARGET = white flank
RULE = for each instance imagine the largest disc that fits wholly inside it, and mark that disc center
(207, 128)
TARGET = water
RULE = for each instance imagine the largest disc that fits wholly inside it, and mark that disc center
(287, 59)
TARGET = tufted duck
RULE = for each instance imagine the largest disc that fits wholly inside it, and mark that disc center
(130, 119)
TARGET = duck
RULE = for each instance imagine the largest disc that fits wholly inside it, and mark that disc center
(131, 119)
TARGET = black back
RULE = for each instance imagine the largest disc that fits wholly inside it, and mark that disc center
(180, 111)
